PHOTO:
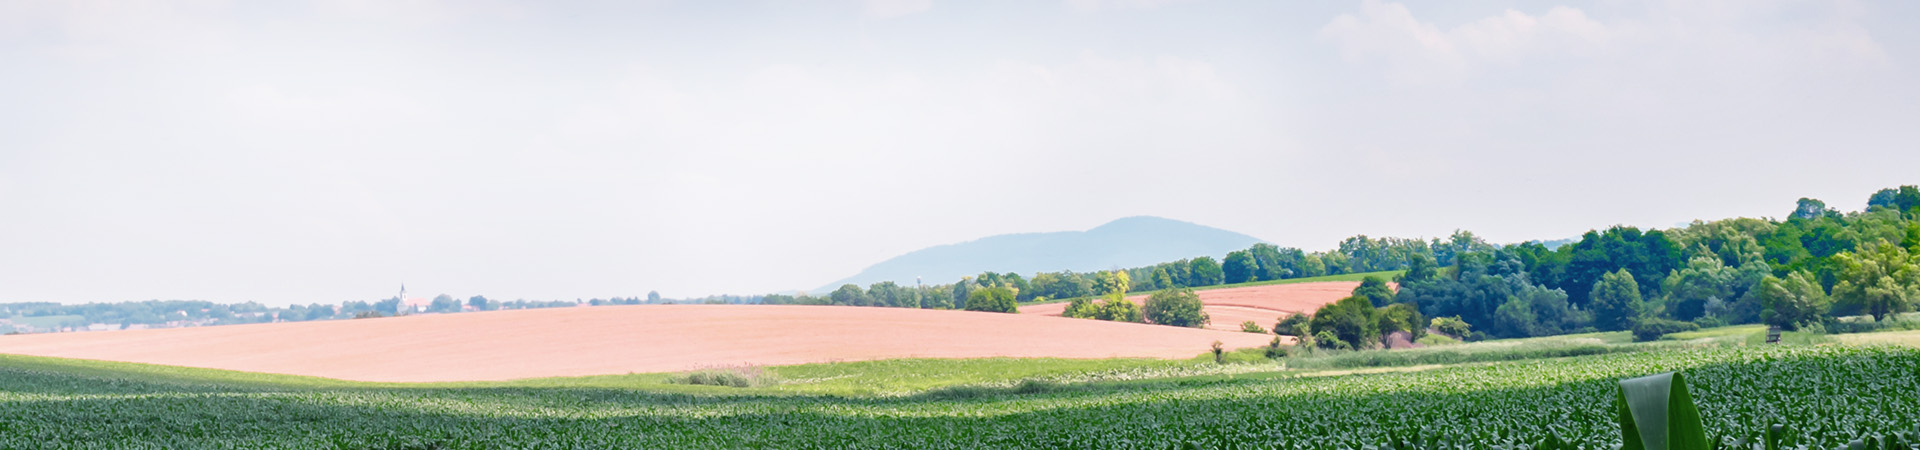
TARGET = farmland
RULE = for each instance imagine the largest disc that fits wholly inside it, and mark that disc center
(502, 345)
(1831, 392)
(1261, 303)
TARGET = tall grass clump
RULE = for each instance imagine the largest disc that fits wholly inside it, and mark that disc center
(740, 377)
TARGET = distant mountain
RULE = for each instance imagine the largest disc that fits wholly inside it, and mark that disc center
(1129, 242)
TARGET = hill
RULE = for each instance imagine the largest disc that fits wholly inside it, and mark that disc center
(603, 340)
(1127, 242)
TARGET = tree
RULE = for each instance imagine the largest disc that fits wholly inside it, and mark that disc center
(1118, 309)
(1420, 268)
(391, 306)
(1616, 301)
(1881, 280)
(1161, 280)
(1687, 291)
(1907, 199)
(1809, 209)
(1452, 326)
(480, 303)
(1375, 290)
(1402, 317)
(653, 296)
(1792, 302)
(849, 295)
(1205, 272)
(1240, 267)
(993, 299)
(1884, 198)
(1081, 308)
(1176, 307)
(444, 303)
(1352, 321)
(1115, 281)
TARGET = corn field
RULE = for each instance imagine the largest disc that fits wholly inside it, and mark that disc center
(1826, 397)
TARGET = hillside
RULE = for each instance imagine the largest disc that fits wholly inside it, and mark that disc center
(1264, 305)
(603, 340)
(1128, 242)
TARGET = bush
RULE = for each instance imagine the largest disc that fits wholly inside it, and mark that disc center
(1118, 309)
(1293, 325)
(1452, 326)
(1250, 327)
(993, 299)
(1275, 350)
(1653, 328)
(1175, 307)
(1326, 340)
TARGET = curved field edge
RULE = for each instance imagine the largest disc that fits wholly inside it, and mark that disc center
(1384, 275)
(1826, 393)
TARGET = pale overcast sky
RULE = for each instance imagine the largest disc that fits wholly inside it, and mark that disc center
(324, 151)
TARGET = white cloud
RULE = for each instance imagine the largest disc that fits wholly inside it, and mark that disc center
(887, 9)
(1418, 52)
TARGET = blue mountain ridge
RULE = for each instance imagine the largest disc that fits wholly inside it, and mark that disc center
(1123, 243)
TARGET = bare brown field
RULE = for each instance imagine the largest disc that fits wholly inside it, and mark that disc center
(601, 340)
(1263, 305)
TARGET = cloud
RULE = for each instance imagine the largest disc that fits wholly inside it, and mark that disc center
(888, 9)
(1096, 5)
(1420, 52)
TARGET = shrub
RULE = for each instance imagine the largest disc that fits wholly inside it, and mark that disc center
(1275, 350)
(1176, 307)
(993, 299)
(1352, 320)
(1452, 326)
(1653, 328)
(1118, 309)
(1218, 353)
(1081, 308)
(1293, 325)
(1251, 327)
(1326, 340)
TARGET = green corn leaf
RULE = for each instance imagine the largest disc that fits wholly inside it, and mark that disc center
(1657, 413)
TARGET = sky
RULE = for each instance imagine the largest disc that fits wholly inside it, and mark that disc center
(331, 150)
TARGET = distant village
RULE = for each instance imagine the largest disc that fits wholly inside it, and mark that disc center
(47, 317)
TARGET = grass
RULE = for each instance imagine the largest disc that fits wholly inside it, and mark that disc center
(943, 404)
(1906, 338)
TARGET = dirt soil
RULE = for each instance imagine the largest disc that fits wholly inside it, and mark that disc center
(1264, 305)
(602, 340)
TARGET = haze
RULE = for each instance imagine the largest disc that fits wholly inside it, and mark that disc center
(295, 152)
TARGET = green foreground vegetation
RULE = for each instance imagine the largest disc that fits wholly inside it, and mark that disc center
(1480, 395)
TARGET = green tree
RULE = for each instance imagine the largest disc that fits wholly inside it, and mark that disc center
(1176, 307)
(1118, 309)
(849, 295)
(1452, 326)
(1881, 280)
(1616, 301)
(1402, 317)
(1161, 280)
(1353, 321)
(1420, 268)
(479, 303)
(1792, 302)
(653, 296)
(1375, 290)
(993, 299)
(1205, 272)
(1081, 308)
(444, 303)
(1809, 209)
(1114, 281)
(1240, 267)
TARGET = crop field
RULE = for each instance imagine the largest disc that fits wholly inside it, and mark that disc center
(1263, 304)
(1827, 395)
(608, 340)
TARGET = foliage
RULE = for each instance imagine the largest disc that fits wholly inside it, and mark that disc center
(1113, 282)
(1879, 281)
(1792, 302)
(1616, 301)
(1240, 267)
(1252, 327)
(1293, 325)
(1204, 271)
(1375, 290)
(1175, 307)
(1451, 326)
(994, 299)
(1118, 309)
(1834, 394)
(1081, 308)
(739, 377)
(1402, 317)
(1653, 328)
(1353, 322)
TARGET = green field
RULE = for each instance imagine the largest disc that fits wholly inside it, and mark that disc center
(1827, 393)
